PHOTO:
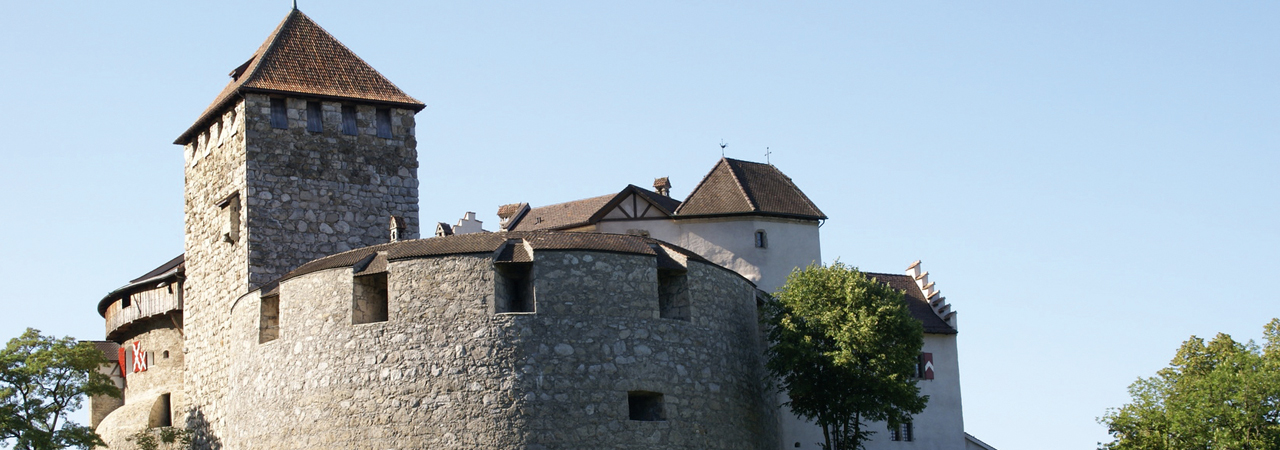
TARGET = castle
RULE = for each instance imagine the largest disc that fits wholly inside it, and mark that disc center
(305, 312)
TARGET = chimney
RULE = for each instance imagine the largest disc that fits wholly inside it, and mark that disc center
(397, 227)
(662, 186)
(510, 215)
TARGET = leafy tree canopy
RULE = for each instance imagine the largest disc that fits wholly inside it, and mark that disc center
(844, 348)
(1219, 395)
(42, 380)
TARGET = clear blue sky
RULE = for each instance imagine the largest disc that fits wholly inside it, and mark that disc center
(1089, 183)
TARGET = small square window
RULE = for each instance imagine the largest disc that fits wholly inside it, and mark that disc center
(904, 432)
(384, 122)
(349, 120)
(645, 406)
(279, 115)
(315, 117)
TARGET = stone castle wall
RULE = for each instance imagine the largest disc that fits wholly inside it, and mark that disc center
(216, 270)
(311, 195)
(294, 196)
(444, 371)
(164, 375)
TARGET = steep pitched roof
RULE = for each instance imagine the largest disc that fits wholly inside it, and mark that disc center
(300, 57)
(916, 303)
(742, 187)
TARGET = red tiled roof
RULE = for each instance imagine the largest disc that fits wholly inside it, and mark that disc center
(300, 57)
(743, 187)
(562, 215)
(577, 213)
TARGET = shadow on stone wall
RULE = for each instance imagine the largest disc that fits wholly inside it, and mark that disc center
(201, 435)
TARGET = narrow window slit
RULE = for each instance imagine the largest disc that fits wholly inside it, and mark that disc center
(315, 117)
(383, 118)
(349, 120)
(269, 319)
(279, 114)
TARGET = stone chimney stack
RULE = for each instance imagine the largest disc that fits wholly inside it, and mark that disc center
(662, 186)
(510, 215)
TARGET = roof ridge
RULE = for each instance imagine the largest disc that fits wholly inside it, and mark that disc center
(335, 40)
(267, 47)
(703, 181)
(737, 179)
(797, 188)
(301, 57)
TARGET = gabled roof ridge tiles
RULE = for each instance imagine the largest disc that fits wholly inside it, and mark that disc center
(699, 186)
(737, 179)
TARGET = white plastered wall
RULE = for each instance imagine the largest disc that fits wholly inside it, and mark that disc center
(730, 242)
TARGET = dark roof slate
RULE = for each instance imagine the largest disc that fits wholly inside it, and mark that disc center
(176, 264)
(744, 187)
(174, 268)
(300, 57)
(919, 306)
(491, 243)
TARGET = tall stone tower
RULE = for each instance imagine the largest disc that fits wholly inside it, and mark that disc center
(307, 152)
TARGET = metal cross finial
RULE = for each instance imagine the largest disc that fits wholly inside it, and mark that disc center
(723, 144)
(766, 156)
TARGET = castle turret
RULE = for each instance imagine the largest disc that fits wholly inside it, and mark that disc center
(305, 153)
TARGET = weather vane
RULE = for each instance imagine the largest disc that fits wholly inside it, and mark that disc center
(723, 144)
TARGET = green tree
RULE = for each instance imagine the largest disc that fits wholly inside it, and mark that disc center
(1220, 395)
(42, 380)
(844, 348)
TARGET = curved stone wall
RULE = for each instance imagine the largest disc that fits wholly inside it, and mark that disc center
(163, 344)
(444, 371)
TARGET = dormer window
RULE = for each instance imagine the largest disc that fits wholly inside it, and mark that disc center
(279, 116)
